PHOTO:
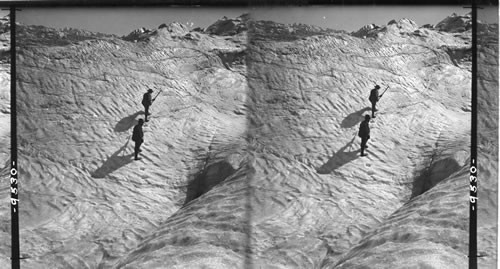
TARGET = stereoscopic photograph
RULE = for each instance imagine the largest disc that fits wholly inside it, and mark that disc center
(250, 137)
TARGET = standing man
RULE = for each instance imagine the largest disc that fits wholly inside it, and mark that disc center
(374, 97)
(138, 138)
(364, 133)
(146, 102)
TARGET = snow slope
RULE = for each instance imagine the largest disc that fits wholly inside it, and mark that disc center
(407, 191)
(86, 201)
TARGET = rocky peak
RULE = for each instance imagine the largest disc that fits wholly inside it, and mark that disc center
(41, 35)
(455, 23)
(462, 23)
(138, 34)
(229, 26)
(264, 30)
(369, 30)
(175, 28)
(401, 26)
(404, 25)
(143, 34)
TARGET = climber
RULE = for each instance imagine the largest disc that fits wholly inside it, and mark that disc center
(374, 97)
(138, 138)
(146, 102)
(364, 133)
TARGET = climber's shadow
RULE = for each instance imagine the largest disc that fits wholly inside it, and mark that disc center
(127, 122)
(114, 162)
(354, 118)
(340, 158)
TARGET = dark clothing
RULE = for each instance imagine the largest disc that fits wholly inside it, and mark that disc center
(364, 140)
(138, 138)
(374, 97)
(146, 99)
(364, 133)
(374, 108)
(137, 134)
(364, 129)
(137, 149)
(146, 102)
(146, 112)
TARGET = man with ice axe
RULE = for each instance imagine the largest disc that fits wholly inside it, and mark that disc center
(147, 101)
(374, 98)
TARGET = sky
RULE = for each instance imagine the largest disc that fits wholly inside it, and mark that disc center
(123, 20)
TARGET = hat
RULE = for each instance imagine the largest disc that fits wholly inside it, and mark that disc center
(150, 90)
(141, 121)
(367, 117)
(377, 87)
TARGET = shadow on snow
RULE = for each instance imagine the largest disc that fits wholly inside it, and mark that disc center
(207, 179)
(340, 158)
(354, 118)
(114, 162)
(127, 122)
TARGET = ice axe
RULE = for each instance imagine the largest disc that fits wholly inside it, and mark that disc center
(156, 96)
(383, 92)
